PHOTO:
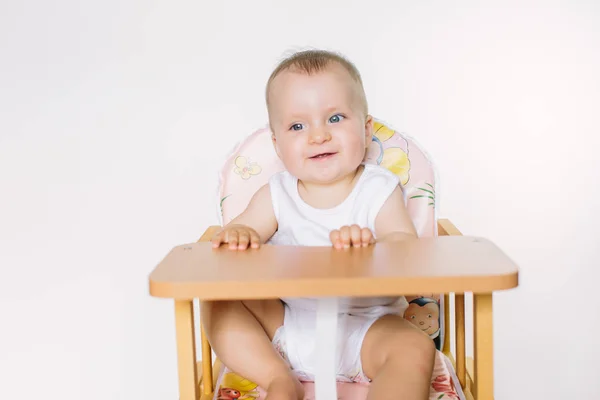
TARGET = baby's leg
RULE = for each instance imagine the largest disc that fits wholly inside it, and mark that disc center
(399, 359)
(240, 333)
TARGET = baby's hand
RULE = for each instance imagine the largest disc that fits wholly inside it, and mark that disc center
(353, 235)
(239, 237)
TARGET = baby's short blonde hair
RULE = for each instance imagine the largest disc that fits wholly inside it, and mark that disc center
(313, 61)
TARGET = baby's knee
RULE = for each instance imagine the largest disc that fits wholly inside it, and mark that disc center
(412, 344)
(396, 343)
(423, 345)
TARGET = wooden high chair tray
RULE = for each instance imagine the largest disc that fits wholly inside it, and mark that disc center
(429, 265)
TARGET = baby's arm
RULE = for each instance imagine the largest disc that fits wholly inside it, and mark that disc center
(393, 222)
(255, 225)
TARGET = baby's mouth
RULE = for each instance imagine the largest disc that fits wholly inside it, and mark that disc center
(322, 156)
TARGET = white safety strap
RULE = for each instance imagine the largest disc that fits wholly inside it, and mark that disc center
(326, 368)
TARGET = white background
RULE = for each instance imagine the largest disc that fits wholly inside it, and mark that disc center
(115, 116)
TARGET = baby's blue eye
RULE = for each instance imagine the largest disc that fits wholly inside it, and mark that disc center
(296, 127)
(336, 118)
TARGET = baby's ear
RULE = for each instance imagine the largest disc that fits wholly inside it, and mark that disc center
(368, 130)
(274, 140)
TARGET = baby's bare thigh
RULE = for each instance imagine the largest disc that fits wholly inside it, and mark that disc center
(268, 313)
(393, 336)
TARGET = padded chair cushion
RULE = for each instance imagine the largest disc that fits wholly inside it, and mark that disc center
(444, 386)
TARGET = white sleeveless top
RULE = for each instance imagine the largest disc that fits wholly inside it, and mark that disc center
(300, 224)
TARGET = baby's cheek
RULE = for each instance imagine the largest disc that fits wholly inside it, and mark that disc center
(290, 159)
(360, 152)
(372, 155)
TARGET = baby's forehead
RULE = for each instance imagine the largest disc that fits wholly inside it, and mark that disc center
(332, 72)
(346, 87)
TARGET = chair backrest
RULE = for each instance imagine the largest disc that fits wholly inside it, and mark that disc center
(253, 161)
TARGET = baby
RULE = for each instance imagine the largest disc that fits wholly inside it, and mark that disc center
(326, 196)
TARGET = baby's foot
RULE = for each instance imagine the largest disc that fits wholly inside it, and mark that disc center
(285, 388)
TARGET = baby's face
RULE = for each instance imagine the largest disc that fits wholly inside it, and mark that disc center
(320, 130)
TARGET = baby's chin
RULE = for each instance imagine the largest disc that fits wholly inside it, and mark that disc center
(325, 171)
(323, 177)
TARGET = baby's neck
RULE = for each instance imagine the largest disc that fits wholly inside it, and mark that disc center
(331, 194)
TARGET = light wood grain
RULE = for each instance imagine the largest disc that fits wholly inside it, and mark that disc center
(199, 373)
(459, 334)
(438, 265)
(447, 350)
(466, 388)
(483, 350)
(447, 228)
(207, 369)
(427, 265)
(215, 371)
(468, 395)
(470, 373)
(186, 350)
(207, 372)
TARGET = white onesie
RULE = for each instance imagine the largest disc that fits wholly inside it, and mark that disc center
(303, 225)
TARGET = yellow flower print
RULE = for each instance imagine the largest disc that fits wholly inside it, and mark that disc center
(396, 160)
(393, 158)
(382, 132)
(246, 169)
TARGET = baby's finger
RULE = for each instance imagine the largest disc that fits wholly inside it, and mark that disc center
(243, 240)
(345, 236)
(232, 238)
(254, 240)
(355, 235)
(335, 239)
(218, 239)
(366, 236)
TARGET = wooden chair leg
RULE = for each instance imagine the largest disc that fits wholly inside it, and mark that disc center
(459, 327)
(447, 339)
(186, 350)
(483, 347)
(207, 373)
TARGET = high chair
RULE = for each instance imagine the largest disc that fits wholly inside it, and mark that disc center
(441, 266)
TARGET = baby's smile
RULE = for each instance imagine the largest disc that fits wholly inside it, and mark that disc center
(323, 156)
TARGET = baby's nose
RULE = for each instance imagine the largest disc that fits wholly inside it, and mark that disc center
(319, 136)
(421, 323)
